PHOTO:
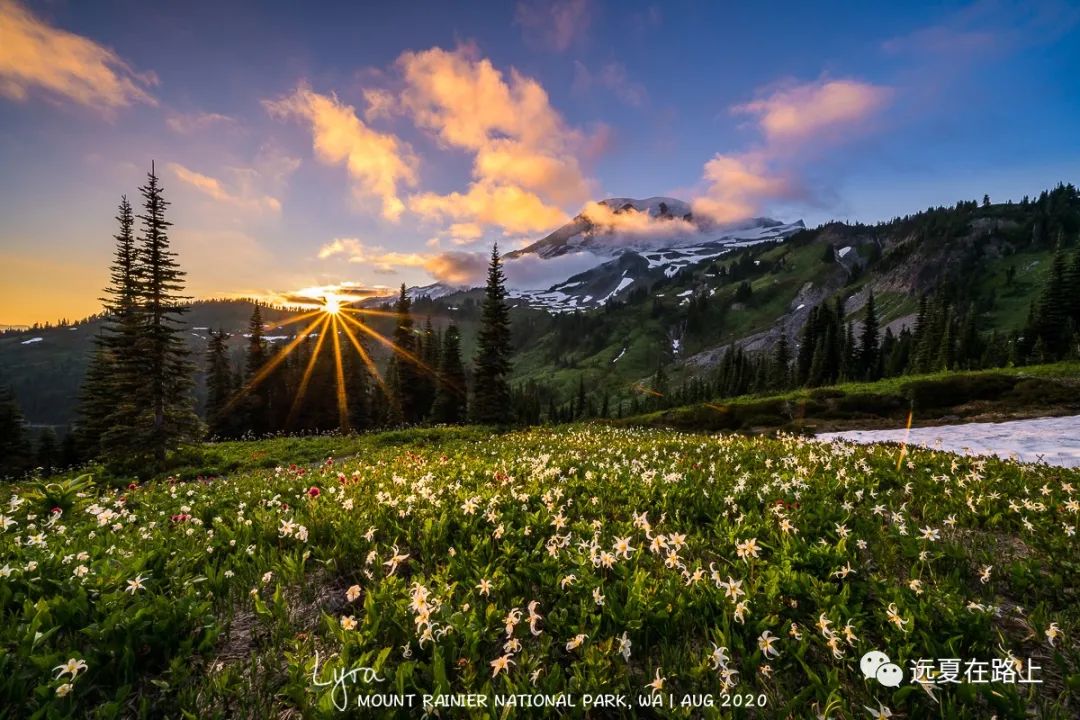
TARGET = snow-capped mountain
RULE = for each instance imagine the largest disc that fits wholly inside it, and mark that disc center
(613, 247)
(616, 225)
(433, 291)
(634, 242)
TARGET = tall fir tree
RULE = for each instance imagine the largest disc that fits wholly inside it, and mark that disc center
(96, 398)
(47, 453)
(69, 450)
(403, 374)
(1051, 321)
(427, 377)
(1072, 283)
(358, 384)
(804, 358)
(254, 410)
(164, 405)
(255, 357)
(868, 342)
(781, 361)
(491, 404)
(15, 450)
(450, 397)
(114, 373)
(219, 385)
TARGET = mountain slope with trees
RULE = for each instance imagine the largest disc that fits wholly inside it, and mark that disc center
(974, 285)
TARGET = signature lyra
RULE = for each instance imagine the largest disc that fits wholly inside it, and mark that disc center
(341, 679)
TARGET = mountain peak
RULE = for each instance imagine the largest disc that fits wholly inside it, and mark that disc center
(615, 225)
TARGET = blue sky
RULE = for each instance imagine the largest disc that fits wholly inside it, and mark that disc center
(382, 143)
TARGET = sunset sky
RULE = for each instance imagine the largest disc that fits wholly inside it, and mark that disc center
(314, 144)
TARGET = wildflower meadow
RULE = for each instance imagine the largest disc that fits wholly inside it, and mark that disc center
(564, 571)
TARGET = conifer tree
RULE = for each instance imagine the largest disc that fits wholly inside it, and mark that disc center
(868, 343)
(219, 385)
(582, 405)
(402, 373)
(781, 360)
(163, 402)
(47, 455)
(1051, 321)
(1072, 283)
(850, 367)
(945, 357)
(427, 377)
(69, 450)
(256, 346)
(491, 404)
(96, 397)
(254, 410)
(15, 451)
(450, 396)
(807, 343)
(358, 386)
(114, 373)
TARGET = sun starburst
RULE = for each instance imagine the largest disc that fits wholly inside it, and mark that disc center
(331, 304)
(334, 316)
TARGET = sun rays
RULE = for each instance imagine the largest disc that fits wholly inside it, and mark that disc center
(335, 317)
(332, 304)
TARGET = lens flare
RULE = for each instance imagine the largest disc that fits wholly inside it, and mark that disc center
(334, 317)
(331, 305)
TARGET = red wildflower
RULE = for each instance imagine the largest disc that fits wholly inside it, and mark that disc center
(314, 492)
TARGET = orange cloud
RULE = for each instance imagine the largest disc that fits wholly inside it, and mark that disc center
(558, 178)
(635, 222)
(807, 111)
(524, 152)
(458, 268)
(467, 101)
(554, 25)
(315, 295)
(795, 122)
(380, 103)
(380, 260)
(377, 162)
(738, 186)
(453, 267)
(464, 233)
(187, 123)
(214, 188)
(515, 210)
(35, 55)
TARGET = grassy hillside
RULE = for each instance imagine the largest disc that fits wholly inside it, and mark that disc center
(584, 560)
(990, 260)
(935, 398)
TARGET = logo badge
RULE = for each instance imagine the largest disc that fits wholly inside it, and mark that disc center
(876, 664)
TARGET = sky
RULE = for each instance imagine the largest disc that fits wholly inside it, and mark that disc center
(362, 145)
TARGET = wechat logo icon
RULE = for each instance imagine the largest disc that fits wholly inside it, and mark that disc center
(877, 665)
